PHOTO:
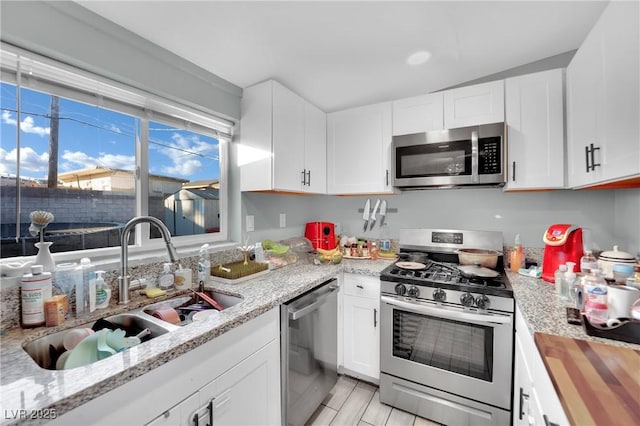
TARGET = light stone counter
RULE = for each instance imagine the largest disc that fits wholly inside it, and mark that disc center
(26, 386)
(545, 312)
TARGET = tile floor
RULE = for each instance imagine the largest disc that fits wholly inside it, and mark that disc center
(357, 403)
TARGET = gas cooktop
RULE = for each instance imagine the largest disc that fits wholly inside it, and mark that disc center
(447, 276)
(428, 258)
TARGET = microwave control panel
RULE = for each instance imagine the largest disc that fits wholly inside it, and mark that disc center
(490, 156)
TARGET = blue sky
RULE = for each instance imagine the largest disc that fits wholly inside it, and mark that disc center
(90, 136)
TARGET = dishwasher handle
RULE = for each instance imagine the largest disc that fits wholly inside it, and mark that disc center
(305, 310)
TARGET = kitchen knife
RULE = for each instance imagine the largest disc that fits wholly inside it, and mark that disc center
(365, 215)
(372, 220)
(383, 212)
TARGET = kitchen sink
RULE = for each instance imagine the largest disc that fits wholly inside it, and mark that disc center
(46, 350)
(189, 306)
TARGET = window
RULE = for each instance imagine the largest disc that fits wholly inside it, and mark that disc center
(96, 154)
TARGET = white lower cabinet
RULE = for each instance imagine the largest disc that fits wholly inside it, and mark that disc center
(361, 326)
(535, 401)
(233, 379)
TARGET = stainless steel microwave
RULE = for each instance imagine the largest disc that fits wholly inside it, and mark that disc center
(464, 156)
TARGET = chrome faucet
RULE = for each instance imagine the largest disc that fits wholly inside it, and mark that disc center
(123, 279)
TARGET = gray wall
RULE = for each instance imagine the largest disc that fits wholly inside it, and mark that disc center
(608, 216)
(74, 35)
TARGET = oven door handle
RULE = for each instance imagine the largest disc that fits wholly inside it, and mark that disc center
(447, 313)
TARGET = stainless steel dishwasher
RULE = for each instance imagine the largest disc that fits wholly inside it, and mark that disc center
(309, 338)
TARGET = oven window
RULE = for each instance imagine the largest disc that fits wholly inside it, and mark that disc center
(450, 345)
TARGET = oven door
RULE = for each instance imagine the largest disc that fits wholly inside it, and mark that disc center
(459, 351)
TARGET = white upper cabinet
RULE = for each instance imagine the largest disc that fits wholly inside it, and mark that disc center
(283, 141)
(603, 100)
(473, 105)
(418, 114)
(534, 107)
(358, 150)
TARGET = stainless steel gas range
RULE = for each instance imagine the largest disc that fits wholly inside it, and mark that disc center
(446, 338)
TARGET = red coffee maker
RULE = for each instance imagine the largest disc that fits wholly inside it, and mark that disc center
(563, 243)
(321, 234)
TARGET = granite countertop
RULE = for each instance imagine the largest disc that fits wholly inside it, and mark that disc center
(26, 386)
(545, 312)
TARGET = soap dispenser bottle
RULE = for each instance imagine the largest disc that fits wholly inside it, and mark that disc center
(103, 292)
(166, 278)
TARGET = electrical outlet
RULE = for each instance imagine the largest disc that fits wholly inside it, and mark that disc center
(283, 220)
(250, 223)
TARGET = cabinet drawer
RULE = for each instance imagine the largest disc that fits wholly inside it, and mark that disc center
(362, 286)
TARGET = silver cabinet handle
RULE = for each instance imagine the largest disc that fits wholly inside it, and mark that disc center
(309, 178)
(387, 178)
(513, 174)
(304, 177)
(375, 317)
(586, 157)
(523, 397)
(359, 286)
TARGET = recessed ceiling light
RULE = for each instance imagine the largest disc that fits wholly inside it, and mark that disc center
(419, 57)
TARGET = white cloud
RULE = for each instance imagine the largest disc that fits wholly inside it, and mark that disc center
(27, 125)
(30, 161)
(179, 150)
(74, 160)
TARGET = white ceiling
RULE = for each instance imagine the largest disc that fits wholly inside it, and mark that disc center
(344, 54)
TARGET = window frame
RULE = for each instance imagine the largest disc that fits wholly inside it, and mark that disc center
(52, 77)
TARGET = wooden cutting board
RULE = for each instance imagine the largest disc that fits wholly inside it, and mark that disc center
(598, 384)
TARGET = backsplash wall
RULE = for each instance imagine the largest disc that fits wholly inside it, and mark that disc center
(608, 216)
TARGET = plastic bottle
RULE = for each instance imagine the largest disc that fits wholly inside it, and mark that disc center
(204, 265)
(103, 292)
(35, 288)
(86, 289)
(559, 277)
(516, 258)
(588, 262)
(166, 279)
(567, 284)
(595, 287)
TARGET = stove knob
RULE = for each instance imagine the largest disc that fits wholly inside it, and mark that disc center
(483, 302)
(467, 299)
(439, 295)
(414, 291)
(401, 289)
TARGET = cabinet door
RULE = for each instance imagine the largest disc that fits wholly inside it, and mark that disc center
(473, 105)
(418, 114)
(249, 393)
(534, 112)
(362, 336)
(256, 127)
(358, 148)
(603, 99)
(315, 150)
(288, 139)
(522, 386)
(621, 104)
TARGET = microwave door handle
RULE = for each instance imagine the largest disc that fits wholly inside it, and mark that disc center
(474, 156)
(486, 319)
